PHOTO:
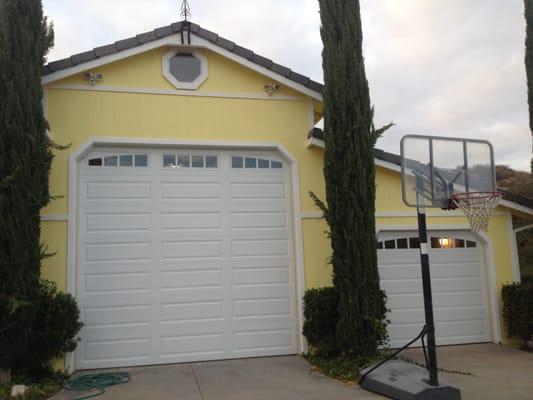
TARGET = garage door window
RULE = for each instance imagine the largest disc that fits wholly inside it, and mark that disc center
(443, 242)
(189, 161)
(120, 160)
(254, 162)
(400, 243)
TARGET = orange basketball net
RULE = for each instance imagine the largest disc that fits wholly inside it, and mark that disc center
(478, 207)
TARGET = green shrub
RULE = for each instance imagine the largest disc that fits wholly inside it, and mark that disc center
(321, 315)
(54, 331)
(518, 309)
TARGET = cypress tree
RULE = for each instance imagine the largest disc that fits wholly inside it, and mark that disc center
(350, 180)
(528, 5)
(25, 158)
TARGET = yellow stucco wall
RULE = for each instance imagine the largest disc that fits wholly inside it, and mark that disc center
(77, 115)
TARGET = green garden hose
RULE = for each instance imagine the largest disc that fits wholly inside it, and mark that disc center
(99, 381)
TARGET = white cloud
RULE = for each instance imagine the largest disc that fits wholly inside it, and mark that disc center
(449, 67)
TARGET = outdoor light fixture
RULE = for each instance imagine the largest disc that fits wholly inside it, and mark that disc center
(271, 88)
(93, 77)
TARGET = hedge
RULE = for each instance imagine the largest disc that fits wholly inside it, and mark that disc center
(321, 315)
(518, 309)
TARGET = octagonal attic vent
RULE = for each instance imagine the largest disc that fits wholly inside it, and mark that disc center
(185, 69)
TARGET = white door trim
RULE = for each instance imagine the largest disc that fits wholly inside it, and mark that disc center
(96, 142)
(488, 252)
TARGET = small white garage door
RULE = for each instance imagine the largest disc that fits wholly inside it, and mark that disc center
(184, 255)
(458, 286)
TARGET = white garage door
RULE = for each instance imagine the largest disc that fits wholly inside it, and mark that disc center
(458, 285)
(184, 256)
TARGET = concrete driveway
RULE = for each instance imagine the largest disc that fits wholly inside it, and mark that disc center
(481, 371)
(279, 378)
(498, 372)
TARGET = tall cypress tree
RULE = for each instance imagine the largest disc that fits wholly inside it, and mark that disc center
(350, 180)
(528, 13)
(25, 158)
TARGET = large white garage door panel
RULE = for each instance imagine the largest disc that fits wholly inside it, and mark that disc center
(457, 279)
(184, 264)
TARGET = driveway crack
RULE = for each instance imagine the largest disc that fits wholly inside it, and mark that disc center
(197, 383)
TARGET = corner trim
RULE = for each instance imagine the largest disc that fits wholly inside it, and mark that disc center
(514, 248)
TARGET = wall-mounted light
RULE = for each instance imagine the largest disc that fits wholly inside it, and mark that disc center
(271, 88)
(94, 77)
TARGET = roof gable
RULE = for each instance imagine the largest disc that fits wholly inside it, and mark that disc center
(173, 34)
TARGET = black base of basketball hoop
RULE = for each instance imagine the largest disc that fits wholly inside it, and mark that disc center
(400, 379)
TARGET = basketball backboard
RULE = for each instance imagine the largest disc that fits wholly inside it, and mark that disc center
(435, 168)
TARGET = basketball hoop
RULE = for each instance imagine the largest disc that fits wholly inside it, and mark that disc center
(478, 207)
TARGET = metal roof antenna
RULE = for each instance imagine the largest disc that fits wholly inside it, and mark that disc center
(185, 10)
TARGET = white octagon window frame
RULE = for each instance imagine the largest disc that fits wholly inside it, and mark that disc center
(195, 84)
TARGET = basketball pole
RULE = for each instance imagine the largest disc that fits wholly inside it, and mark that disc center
(426, 284)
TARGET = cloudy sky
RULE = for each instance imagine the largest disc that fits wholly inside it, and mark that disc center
(439, 67)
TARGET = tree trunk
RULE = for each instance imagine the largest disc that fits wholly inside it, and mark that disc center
(5, 376)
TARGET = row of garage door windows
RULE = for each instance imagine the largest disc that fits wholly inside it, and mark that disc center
(183, 161)
(436, 243)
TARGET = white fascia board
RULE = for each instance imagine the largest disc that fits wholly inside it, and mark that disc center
(63, 73)
(515, 206)
(175, 40)
(197, 41)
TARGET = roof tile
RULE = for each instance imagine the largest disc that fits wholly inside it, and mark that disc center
(225, 43)
(126, 43)
(317, 87)
(194, 27)
(176, 26)
(299, 78)
(60, 64)
(164, 31)
(83, 57)
(280, 69)
(262, 61)
(243, 52)
(105, 50)
(146, 37)
(206, 34)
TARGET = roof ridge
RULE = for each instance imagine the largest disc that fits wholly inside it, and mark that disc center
(171, 29)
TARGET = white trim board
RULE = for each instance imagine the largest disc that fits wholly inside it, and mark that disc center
(94, 143)
(172, 92)
(54, 217)
(403, 214)
(175, 40)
